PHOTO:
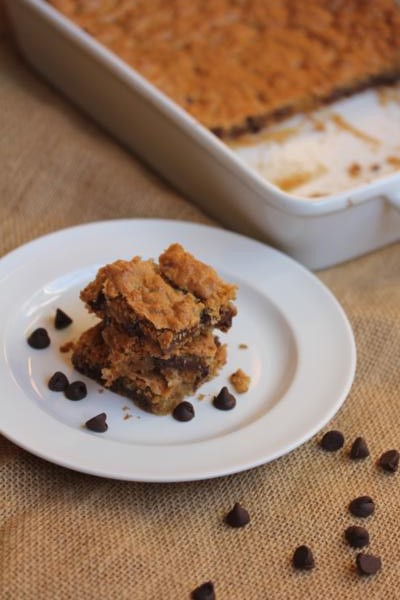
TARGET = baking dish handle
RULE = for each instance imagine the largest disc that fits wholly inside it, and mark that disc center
(394, 199)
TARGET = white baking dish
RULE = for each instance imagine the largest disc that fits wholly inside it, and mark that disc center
(319, 234)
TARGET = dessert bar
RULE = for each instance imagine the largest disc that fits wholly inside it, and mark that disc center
(137, 295)
(156, 390)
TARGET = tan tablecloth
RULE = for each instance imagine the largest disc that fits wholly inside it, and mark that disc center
(66, 535)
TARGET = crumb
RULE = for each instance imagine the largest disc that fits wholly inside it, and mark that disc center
(374, 167)
(394, 161)
(317, 194)
(100, 390)
(317, 124)
(354, 169)
(67, 347)
(342, 124)
(295, 180)
(125, 408)
(243, 346)
(201, 397)
(240, 381)
(127, 416)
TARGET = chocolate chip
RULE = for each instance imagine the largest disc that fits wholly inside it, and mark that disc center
(225, 400)
(356, 537)
(303, 558)
(368, 564)
(218, 131)
(62, 320)
(39, 339)
(97, 423)
(254, 124)
(183, 411)
(363, 506)
(332, 440)
(76, 390)
(389, 461)
(58, 382)
(98, 303)
(238, 516)
(205, 591)
(359, 449)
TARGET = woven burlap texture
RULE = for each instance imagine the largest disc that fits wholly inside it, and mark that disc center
(66, 535)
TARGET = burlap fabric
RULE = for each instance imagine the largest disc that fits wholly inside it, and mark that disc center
(66, 535)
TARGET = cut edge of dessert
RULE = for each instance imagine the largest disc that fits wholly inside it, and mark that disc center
(155, 342)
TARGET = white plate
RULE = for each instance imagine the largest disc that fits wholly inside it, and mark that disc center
(300, 356)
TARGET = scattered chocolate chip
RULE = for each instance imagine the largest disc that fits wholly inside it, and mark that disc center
(389, 461)
(363, 506)
(205, 591)
(97, 423)
(359, 449)
(303, 558)
(238, 516)
(62, 320)
(76, 390)
(368, 564)
(332, 440)
(184, 411)
(39, 339)
(225, 400)
(356, 537)
(58, 382)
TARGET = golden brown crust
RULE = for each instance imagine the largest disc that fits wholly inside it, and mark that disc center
(191, 275)
(166, 305)
(237, 65)
(146, 294)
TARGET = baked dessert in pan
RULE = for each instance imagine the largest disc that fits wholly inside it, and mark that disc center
(239, 65)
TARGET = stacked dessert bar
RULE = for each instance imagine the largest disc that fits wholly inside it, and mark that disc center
(155, 341)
